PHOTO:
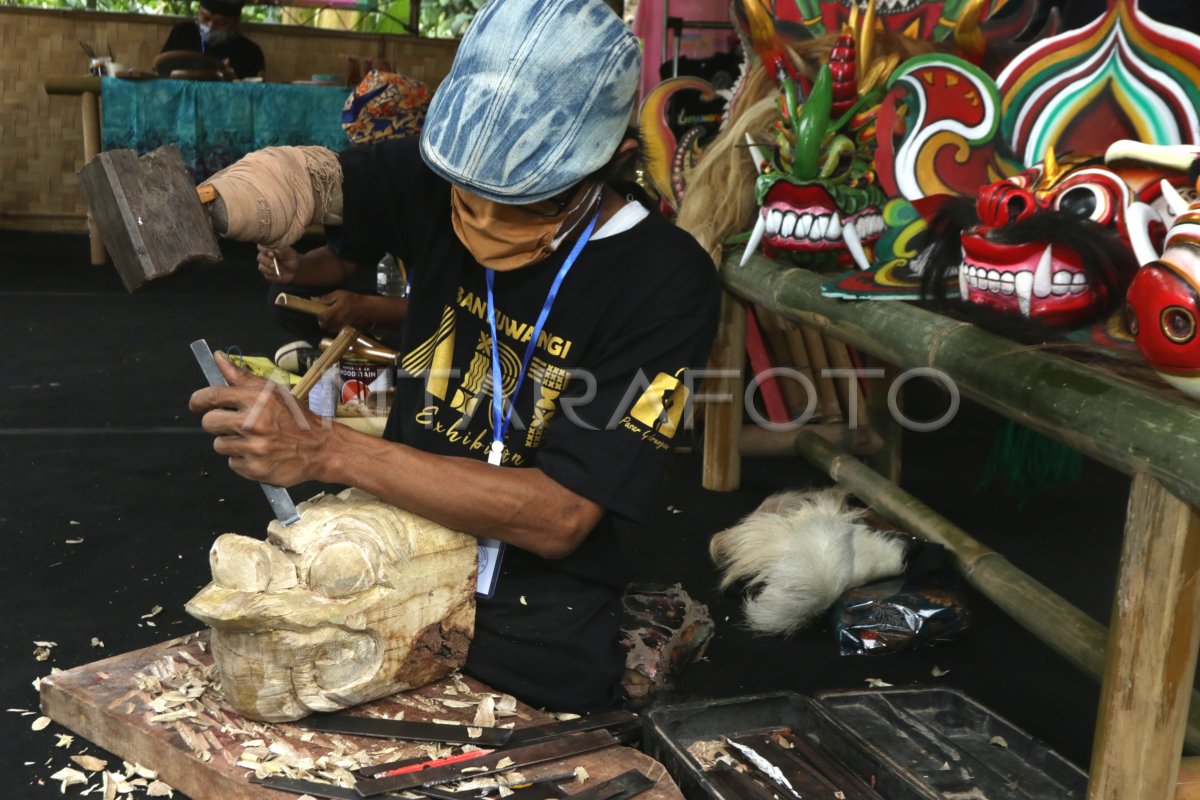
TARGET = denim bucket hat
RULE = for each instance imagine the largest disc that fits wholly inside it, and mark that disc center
(539, 96)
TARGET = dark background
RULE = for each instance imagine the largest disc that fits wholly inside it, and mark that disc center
(98, 445)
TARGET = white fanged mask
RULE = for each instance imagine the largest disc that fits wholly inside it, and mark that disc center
(355, 601)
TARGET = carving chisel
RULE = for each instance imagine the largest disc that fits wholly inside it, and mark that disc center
(277, 496)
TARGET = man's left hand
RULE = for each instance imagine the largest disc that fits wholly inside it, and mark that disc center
(346, 308)
(267, 435)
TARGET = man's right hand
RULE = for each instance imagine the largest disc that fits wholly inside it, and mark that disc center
(278, 265)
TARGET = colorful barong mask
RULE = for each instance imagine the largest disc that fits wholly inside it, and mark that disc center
(1162, 306)
(1055, 243)
(817, 195)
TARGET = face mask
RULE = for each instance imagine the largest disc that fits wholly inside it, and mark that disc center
(506, 237)
(212, 37)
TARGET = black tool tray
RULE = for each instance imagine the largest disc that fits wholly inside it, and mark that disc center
(670, 730)
(909, 744)
(948, 745)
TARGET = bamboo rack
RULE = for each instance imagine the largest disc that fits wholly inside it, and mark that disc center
(1129, 427)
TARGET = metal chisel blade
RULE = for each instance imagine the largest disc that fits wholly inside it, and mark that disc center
(403, 729)
(277, 496)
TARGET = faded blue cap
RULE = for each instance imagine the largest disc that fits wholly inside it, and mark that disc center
(539, 96)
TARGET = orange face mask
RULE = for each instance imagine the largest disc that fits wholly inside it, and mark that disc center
(507, 237)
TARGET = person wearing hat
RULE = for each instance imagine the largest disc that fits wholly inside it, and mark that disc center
(551, 327)
(215, 32)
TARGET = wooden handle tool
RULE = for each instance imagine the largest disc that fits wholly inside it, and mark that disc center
(368, 349)
(301, 304)
(340, 345)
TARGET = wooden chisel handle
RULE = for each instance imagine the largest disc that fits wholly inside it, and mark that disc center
(336, 350)
(301, 304)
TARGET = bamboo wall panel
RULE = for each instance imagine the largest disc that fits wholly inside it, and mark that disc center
(41, 137)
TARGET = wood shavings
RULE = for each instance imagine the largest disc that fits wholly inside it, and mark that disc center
(710, 752)
(506, 706)
(474, 732)
(159, 789)
(40, 723)
(523, 602)
(504, 763)
(446, 722)
(90, 763)
(154, 612)
(460, 684)
(24, 712)
(110, 786)
(485, 714)
(64, 740)
(581, 775)
(96, 642)
(938, 672)
(41, 651)
(565, 716)
(505, 791)
(456, 703)
(68, 777)
(998, 741)
(877, 683)
(171, 716)
(140, 771)
(466, 770)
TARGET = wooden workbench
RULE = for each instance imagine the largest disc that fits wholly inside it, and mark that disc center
(1146, 661)
(109, 703)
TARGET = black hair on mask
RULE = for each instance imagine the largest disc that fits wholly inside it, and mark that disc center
(1108, 260)
(941, 243)
(1194, 172)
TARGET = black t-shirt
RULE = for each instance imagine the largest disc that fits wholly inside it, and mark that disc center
(244, 56)
(636, 309)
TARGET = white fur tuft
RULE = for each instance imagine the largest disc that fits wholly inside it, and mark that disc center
(798, 553)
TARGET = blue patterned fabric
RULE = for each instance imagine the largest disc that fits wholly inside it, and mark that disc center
(215, 124)
(538, 97)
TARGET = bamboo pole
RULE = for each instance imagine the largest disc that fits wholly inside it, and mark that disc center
(755, 441)
(1118, 423)
(1152, 649)
(850, 393)
(722, 465)
(827, 398)
(887, 462)
(1064, 628)
(90, 114)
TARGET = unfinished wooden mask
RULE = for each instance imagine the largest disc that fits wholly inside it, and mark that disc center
(355, 601)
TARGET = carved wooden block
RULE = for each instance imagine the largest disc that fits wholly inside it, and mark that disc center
(148, 213)
(356, 601)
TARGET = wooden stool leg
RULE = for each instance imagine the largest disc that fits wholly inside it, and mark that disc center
(722, 470)
(883, 422)
(90, 115)
(1151, 651)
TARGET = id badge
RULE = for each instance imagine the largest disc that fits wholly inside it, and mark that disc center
(490, 553)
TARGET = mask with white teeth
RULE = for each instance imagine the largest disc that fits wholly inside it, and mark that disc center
(818, 198)
(1056, 244)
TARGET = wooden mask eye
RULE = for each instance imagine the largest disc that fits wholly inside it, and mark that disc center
(1178, 324)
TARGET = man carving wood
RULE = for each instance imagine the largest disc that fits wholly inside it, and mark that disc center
(581, 306)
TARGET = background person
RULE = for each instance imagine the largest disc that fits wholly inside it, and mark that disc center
(215, 32)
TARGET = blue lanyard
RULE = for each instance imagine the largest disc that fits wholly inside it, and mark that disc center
(500, 420)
